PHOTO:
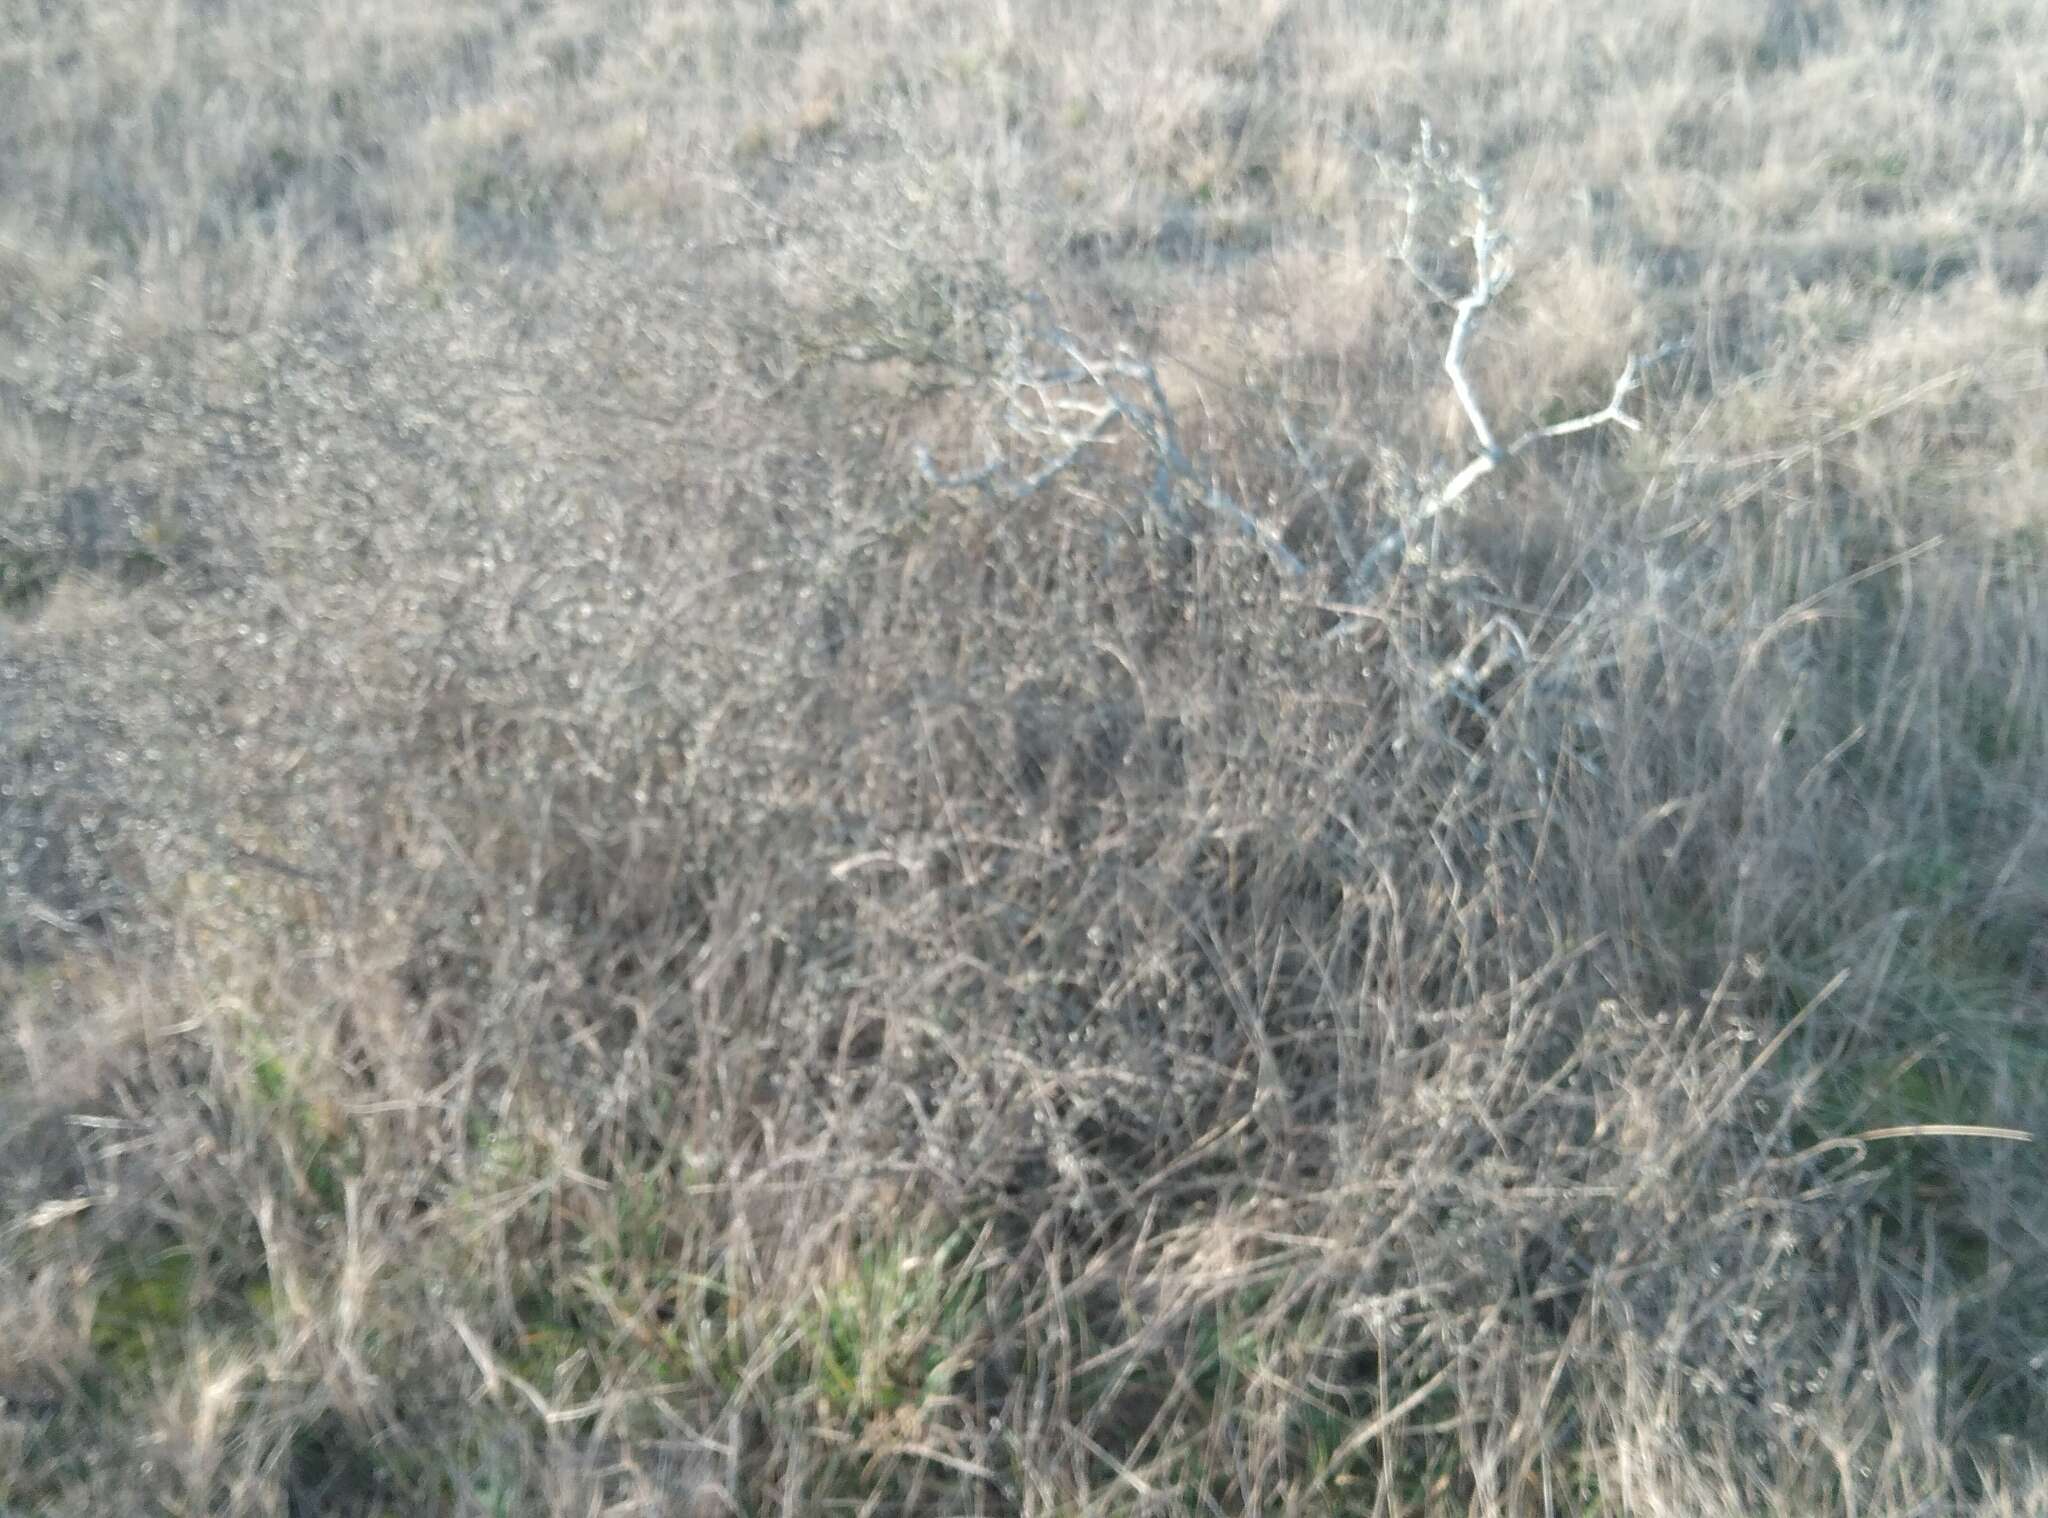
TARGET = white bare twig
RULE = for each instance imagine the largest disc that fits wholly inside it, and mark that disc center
(1492, 272)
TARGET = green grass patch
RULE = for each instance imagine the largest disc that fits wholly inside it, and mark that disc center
(894, 1330)
(153, 1301)
(143, 1312)
(320, 1149)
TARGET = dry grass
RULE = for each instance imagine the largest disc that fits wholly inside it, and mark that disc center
(577, 939)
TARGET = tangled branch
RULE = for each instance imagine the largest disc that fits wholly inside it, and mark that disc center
(1060, 401)
(1065, 410)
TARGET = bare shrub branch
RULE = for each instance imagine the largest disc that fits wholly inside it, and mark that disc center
(1080, 400)
(1427, 177)
(1062, 401)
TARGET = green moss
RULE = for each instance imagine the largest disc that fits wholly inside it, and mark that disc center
(152, 1302)
(144, 1307)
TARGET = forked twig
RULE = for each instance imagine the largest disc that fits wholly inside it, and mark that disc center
(1493, 270)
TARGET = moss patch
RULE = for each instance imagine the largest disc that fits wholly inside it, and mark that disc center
(143, 1311)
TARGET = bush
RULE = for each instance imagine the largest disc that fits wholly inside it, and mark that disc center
(604, 941)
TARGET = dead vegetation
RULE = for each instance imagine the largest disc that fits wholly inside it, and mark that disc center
(582, 935)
